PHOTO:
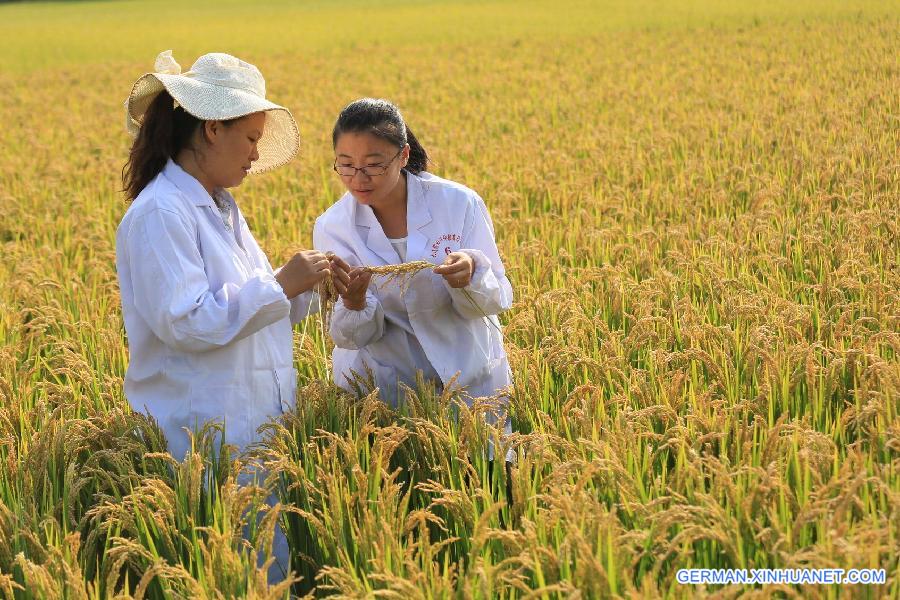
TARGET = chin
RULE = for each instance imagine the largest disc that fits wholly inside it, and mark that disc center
(369, 199)
(238, 180)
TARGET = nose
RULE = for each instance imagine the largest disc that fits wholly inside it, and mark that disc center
(361, 174)
(254, 156)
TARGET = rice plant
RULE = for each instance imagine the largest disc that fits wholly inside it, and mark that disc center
(696, 203)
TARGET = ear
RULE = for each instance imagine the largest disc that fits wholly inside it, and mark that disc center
(405, 156)
(211, 131)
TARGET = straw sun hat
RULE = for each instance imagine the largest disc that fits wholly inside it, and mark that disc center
(218, 87)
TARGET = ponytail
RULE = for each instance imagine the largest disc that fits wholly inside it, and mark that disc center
(418, 158)
(165, 131)
(383, 120)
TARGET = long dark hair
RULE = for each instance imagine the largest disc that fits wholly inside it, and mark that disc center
(382, 119)
(165, 131)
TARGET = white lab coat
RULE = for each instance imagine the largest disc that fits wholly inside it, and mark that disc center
(442, 217)
(209, 327)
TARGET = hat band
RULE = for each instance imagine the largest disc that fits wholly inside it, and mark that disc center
(229, 83)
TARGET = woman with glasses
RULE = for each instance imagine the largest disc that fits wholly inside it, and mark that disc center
(442, 323)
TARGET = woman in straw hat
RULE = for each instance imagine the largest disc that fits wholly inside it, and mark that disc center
(208, 320)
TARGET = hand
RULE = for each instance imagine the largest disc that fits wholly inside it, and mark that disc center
(457, 269)
(302, 272)
(351, 284)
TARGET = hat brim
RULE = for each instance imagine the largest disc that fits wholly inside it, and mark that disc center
(280, 141)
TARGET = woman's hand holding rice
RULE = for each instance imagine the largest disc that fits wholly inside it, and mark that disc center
(302, 272)
(457, 269)
(350, 283)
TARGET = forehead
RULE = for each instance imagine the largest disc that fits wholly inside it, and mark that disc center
(356, 143)
(252, 121)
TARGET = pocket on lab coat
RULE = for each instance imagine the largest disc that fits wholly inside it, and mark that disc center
(228, 403)
(287, 389)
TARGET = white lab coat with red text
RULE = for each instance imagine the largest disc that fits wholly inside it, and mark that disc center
(429, 321)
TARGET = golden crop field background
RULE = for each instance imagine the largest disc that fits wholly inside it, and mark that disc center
(698, 204)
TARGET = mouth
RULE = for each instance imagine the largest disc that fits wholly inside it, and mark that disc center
(361, 192)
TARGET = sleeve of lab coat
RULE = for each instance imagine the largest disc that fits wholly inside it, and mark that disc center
(353, 329)
(304, 305)
(172, 292)
(350, 329)
(489, 292)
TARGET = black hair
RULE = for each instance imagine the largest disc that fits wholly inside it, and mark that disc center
(166, 130)
(382, 119)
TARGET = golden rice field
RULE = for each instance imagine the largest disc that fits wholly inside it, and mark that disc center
(698, 203)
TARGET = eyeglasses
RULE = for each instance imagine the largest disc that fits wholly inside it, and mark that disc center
(368, 170)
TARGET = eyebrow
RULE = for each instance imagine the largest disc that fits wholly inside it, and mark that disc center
(372, 154)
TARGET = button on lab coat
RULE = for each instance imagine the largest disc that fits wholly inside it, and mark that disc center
(455, 336)
(209, 327)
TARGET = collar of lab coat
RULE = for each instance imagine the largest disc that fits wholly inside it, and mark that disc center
(418, 216)
(188, 184)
